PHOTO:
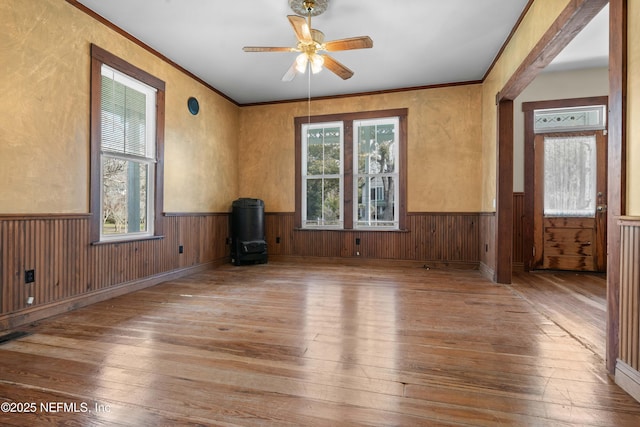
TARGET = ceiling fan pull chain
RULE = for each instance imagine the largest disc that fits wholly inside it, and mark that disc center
(309, 95)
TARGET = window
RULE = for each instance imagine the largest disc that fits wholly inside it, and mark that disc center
(570, 119)
(126, 150)
(376, 173)
(322, 173)
(350, 171)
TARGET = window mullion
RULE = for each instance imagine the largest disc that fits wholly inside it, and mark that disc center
(347, 183)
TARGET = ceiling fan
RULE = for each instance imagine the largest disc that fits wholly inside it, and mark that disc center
(311, 42)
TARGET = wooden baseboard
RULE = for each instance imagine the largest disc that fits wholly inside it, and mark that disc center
(517, 266)
(35, 313)
(628, 379)
(459, 265)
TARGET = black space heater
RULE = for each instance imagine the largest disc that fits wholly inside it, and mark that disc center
(248, 245)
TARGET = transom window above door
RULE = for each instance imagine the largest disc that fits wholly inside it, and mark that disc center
(592, 117)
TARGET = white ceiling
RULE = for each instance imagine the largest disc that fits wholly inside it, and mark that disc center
(589, 49)
(416, 42)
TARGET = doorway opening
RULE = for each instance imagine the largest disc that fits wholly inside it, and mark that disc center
(570, 22)
(565, 185)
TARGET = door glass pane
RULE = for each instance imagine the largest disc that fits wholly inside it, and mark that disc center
(570, 176)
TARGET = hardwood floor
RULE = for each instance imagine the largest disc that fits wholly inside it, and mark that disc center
(313, 345)
(577, 302)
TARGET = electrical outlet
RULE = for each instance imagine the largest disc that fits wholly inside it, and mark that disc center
(30, 300)
(29, 276)
(357, 240)
(180, 249)
(277, 239)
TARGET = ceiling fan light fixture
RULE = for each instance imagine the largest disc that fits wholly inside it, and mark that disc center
(311, 41)
(317, 62)
(301, 62)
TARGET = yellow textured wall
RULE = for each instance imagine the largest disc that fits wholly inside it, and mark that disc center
(226, 151)
(444, 147)
(539, 18)
(44, 116)
(633, 112)
(201, 167)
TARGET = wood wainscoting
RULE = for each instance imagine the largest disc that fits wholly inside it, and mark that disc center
(628, 363)
(71, 272)
(446, 239)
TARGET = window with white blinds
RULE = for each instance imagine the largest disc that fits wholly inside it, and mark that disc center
(127, 151)
(128, 115)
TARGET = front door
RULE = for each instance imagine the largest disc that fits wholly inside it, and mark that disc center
(570, 201)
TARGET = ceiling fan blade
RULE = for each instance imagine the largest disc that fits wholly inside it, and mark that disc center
(301, 28)
(290, 74)
(343, 72)
(363, 42)
(267, 49)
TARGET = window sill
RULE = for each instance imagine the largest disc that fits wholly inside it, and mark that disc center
(120, 241)
(356, 230)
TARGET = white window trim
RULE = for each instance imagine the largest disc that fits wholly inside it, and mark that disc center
(396, 175)
(305, 131)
